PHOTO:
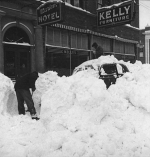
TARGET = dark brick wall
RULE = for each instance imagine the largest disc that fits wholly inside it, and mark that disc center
(122, 31)
(135, 22)
(81, 19)
(77, 18)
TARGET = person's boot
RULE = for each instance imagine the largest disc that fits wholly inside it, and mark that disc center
(34, 115)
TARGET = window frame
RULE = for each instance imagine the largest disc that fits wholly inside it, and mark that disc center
(80, 3)
(99, 3)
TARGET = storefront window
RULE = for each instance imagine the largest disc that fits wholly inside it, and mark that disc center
(125, 58)
(99, 3)
(63, 61)
(129, 48)
(78, 57)
(105, 43)
(106, 3)
(68, 1)
(77, 3)
(129, 58)
(65, 50)
(119, 47)
(119, 56)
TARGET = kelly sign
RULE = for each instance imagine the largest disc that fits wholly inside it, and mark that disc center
(50, 13)
(116, 14)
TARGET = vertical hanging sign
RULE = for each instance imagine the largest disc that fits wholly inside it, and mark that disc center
(50, 13)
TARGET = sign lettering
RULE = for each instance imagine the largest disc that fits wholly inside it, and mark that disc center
(114, 15)
(50, 13)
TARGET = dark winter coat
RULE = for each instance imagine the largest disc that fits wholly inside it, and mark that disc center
(27, 81)
(99, 51)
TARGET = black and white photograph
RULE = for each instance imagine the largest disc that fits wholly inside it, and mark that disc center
(74, 78)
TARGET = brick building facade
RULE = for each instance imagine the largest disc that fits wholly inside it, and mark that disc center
(26, 46)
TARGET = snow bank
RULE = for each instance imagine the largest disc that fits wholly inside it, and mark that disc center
(67, 94)
(43, 83)
(80, 117)
(20, 136)
(7, 96)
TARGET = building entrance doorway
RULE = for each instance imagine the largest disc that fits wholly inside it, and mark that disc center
(16, 53)
(16, 61)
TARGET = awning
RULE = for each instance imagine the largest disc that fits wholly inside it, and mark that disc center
(94, 33)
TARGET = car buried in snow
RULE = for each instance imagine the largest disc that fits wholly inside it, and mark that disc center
(109, 72)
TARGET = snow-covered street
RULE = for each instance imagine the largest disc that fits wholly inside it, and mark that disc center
(79, 116)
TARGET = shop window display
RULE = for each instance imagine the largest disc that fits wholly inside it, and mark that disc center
(63, 61)
(119, 56)
(129, 58)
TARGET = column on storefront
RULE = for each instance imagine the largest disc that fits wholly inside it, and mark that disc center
(39, 49)
(89, 45)
(1, 44)
(147, 46)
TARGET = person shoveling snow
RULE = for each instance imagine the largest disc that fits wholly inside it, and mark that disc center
(22, 88)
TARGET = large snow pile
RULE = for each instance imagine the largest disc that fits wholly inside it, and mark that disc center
(7, 96)
(43, 83)
(79, 117)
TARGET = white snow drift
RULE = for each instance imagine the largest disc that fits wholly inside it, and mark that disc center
(79, 117)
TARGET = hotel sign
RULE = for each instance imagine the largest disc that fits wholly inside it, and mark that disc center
(115, 14)
(50, 13)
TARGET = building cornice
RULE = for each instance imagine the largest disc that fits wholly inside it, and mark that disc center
(16, 13)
